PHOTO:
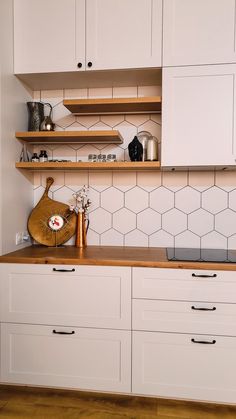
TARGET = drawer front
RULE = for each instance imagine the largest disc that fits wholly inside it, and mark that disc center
(184, 284)
(184, 317)
(171, 365)
(88, 296)
(86, 359)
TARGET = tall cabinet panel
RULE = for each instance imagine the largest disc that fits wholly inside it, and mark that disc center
(198, 116)
(124, 33)
(199, 32)
(48, 35)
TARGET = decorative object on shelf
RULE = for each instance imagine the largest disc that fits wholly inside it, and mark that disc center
(111, 157)
(35, 158)
(47, 124)
(152, 149)
(25, 155)
(81, 208)
(35, 115)
(101, 158)
(51, 223)
(36, 119)
(135, 150)
(43, 157)
(144, 137)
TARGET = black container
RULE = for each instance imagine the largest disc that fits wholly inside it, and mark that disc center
(135, 150)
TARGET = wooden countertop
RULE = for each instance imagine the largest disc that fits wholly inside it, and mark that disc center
(106, 255)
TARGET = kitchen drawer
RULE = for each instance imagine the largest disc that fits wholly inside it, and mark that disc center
(85, 358)
(172, 365)
(184, 284)
(87, 296)
(184, 317)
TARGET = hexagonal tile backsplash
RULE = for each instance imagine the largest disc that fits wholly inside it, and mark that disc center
(182, 208)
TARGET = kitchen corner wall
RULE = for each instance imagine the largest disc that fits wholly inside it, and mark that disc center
(182, 208)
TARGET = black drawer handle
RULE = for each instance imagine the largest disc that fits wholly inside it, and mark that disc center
(63, 333)
(203, 308)
(204, 342)
(63, 270)
(204, 276)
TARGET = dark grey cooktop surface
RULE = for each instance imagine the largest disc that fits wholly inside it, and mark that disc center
(201, 255)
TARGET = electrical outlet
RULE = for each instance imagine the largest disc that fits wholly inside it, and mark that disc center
(19, 238)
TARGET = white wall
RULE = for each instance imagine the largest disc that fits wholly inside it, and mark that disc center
(16, 192)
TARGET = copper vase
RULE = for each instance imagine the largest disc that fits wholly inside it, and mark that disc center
(81, 240)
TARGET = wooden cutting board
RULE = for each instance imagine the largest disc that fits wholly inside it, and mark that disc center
(51, 222)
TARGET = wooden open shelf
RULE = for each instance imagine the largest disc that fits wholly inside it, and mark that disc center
(71, 137)
(150, 104)
(124, 165)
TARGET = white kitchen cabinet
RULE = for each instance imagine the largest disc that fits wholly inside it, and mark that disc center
(87, 296)
(184, 285)
(91, 359)
(123, 34)
(198, 32)
(66, 326)
(73, 35)
(178, 366)
(49, 35)
(198, 116)
(184, 336)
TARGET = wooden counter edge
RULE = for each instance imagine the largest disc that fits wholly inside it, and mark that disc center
(121, 262)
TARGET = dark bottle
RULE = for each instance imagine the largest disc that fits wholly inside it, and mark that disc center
(43, 157)
(35, 158)
(135, 150)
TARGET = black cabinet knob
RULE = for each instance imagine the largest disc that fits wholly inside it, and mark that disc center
(90, 64)
(79, 65)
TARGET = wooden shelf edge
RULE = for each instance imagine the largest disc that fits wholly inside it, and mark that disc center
(150, 104)
(72, 137)
(89, 166)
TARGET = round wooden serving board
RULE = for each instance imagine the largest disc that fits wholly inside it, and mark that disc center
(38, 220)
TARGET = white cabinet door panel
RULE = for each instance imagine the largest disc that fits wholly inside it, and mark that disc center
(49, 35)
(184, 317)
(184, 284)
(198, 116)
(172, 365)
(87, 359)
(198, 32)
(91, 296)
(123, 34)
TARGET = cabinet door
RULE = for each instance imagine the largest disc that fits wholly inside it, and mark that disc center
(93, 359)
(49, 35)
(198, 32)
(198, 116)
(86, 296)
(123, 34)
(172, 365)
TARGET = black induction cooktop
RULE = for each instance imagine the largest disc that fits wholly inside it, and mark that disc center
(201, 255)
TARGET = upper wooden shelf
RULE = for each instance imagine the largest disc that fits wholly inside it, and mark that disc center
(150, 104)
(119, 165)
(72, 137)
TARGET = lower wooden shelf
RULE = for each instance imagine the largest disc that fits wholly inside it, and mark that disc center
(124, 165)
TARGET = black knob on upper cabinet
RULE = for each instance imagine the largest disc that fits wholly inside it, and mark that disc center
(90, 64)
(79, 65)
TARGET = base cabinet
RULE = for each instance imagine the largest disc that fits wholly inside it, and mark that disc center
(179, 366)
(91, 359)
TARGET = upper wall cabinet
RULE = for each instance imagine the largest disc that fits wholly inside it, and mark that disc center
(77, 35)
(198, 116)
(199, 32)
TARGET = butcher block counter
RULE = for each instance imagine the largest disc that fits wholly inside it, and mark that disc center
(154, 257)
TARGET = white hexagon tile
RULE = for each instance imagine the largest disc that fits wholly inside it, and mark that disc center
(170, 208)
